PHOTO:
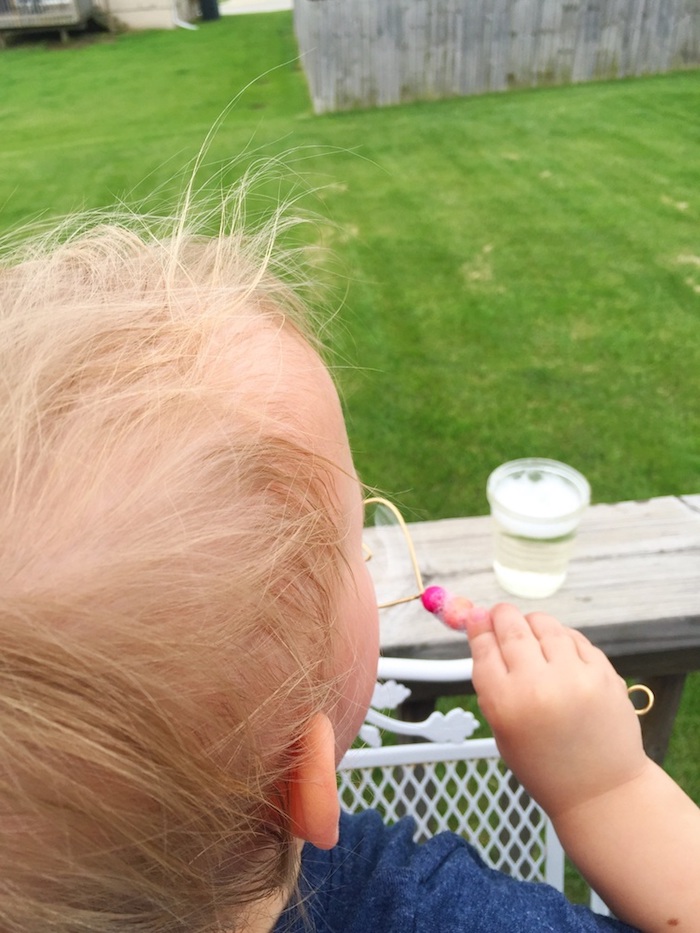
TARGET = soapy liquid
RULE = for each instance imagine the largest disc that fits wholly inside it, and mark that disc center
(531, 567)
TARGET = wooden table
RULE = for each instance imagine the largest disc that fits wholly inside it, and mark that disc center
(633, 587)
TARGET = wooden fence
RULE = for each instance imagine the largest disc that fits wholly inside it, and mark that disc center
(367, 53)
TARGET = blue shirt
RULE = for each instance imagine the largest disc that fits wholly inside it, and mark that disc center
(377, 880)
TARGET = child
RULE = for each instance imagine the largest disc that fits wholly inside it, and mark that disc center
(188, 634)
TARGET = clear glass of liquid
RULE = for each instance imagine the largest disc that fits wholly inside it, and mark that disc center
(536, 506)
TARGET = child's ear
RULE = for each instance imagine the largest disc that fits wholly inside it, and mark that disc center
(312, 792)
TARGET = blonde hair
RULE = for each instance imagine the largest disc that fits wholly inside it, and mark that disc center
(169, 564)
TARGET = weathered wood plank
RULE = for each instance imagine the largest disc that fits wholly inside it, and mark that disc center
(632, 585)
(360, 53)
(657, 725)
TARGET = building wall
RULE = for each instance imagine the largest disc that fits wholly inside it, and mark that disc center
(18, 15)
(151, 14)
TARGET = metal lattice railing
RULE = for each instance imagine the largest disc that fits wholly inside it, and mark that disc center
(44, 14)
(468, 790)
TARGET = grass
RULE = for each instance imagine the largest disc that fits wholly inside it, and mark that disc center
(519, 274)
(523, 270)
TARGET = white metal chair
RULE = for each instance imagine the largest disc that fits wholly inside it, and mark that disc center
(448, 780)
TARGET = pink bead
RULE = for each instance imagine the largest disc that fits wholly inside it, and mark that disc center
(434, 599)
(456, 612)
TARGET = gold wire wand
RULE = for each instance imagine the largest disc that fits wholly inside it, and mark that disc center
(647, 692)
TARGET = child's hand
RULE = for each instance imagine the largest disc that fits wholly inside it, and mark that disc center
(560, 713)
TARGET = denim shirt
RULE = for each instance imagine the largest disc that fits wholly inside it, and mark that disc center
(377, 880)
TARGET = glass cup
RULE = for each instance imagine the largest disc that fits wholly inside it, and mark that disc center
(536, 505)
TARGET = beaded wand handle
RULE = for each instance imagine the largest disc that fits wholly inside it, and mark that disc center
(451, 610)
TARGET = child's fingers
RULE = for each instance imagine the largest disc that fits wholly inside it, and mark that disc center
(488, 662)
(562, 643)
(570, 647)
(594, 657)
(586, 650)
(557, 642)
(517, 642)
(479, 622)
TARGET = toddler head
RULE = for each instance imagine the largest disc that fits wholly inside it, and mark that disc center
(183, 590)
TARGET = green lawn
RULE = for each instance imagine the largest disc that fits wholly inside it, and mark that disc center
(518, 274)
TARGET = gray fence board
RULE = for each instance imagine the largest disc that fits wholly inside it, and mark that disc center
(363, 53)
